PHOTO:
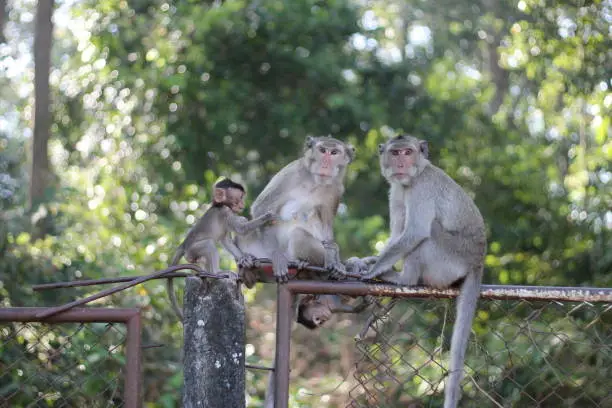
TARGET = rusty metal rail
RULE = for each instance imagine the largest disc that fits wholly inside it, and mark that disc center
(170, 272)
(130, 317)
(286, 293)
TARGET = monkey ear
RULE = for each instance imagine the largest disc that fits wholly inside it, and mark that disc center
(219, 196)
(424, 147)
(310, 141)
(381, 148)
(350, 151)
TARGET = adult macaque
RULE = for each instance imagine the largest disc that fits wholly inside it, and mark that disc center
(438, 232)
(214, 227)
(305, 196)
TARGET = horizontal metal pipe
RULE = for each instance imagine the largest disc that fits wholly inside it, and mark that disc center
(54, 310)
(92, 282)
(503, 292)
(258, 367)
(266, 267)
(86, 315)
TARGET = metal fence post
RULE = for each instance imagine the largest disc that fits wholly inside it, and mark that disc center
(284, 316)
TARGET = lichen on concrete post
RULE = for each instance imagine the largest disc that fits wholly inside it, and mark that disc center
(214, 335)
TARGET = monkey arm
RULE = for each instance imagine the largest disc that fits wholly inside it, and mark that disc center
(397, 211)
(332, 253)
(418, 230)
(273, 195)
(242, 226)
(231, 247)
(395, 251)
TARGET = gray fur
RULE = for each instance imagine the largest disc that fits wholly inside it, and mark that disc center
(313, 197)
(438, 232)
(298, 186)
(199, 246)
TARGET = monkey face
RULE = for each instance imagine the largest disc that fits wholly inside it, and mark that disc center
(327, 156)
(235, 200)
(313, 313)
(399, 156)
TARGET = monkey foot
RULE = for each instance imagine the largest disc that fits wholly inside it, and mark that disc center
(337, 271)
(248, 261)
(282, 277)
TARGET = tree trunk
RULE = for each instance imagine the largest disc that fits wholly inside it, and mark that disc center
(499, 76)
(3, 18)
(40, 175)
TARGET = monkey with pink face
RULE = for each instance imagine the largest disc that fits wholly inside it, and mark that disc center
(438, 233)
(304, 196)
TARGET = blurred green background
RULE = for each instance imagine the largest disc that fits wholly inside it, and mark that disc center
(152, 101)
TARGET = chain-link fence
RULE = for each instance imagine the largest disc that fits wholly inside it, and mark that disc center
(530, 347)
(80, 358)
(521, 354)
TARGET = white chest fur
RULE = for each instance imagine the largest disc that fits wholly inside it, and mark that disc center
(406, 204)
(298, 209)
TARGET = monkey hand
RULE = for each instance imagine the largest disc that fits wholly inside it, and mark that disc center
(358, 266)
(271, 218)
(336, 270)
(332, 260)
(373, 272)
(369, 299)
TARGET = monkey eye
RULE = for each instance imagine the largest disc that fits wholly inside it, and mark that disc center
(334, 152)
(322, 149)
(409, 151)
(395, 152)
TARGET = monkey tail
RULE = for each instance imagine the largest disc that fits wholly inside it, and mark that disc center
(170, 284)
(466, 308)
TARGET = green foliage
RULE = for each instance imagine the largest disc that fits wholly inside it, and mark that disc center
(154, 100)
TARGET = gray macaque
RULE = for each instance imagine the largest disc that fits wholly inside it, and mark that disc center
(438, 232)
(314, 310)
(215, 226)
(304, 195)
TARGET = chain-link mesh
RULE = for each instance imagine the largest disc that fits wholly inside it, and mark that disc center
(61, 365)
(521, 354)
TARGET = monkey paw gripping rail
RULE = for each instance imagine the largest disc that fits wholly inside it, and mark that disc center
(540, 336)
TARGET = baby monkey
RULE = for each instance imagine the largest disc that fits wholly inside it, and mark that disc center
(314, 310)
(222, 217)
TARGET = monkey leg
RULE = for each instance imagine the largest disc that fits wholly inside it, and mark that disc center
(205, 254)
(280, 265)
(440, 268)
(304, 246)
